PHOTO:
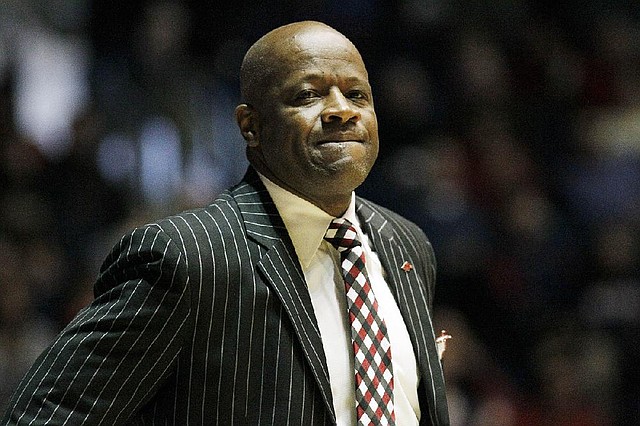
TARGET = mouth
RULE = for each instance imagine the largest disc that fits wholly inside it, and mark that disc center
(340, 141)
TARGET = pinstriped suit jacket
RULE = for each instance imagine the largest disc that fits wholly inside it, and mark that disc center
(204, 318)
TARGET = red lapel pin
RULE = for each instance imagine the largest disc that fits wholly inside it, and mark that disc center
(406, 266)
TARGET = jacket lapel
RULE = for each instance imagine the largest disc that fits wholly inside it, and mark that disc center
(281, 270)
(413, 300)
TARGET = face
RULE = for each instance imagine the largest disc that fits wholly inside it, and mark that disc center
(316, 132)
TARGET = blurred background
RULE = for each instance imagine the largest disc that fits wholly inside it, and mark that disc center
(510, 132)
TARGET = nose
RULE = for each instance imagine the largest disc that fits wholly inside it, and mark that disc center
(339, 108)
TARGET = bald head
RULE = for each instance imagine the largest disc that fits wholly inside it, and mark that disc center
(266, 60)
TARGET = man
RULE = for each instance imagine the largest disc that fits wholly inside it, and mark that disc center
(236, 313)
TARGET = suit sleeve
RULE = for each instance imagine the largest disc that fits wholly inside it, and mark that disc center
(115, 354)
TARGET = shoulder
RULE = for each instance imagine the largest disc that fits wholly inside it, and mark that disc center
(223, 210)
(181, 232)
(397, 230)
(183, 240)
(399, 224)
(223, 216)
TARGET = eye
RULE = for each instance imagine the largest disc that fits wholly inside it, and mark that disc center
(306, 94)
(356, 95)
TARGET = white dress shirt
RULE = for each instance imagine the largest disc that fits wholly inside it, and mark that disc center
(320, 261)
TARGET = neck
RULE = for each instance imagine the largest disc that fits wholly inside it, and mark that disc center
(335, 205)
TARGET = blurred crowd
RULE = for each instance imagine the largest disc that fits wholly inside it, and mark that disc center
(510, 132)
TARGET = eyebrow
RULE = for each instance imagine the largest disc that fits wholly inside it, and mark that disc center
(309, 77)
(320, 76)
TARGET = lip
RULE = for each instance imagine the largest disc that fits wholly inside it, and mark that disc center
(339, 141)
(342, 139)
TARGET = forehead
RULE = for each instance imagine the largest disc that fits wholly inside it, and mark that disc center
(318, 41)
(319, 51)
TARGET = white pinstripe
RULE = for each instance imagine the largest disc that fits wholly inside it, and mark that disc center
(253, 314)
(224, 321)
(203, 404)
(238, 316)
(275, 394)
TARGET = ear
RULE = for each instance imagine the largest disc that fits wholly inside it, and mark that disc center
(247, 119)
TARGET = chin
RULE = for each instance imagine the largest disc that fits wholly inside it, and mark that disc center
(352, 176)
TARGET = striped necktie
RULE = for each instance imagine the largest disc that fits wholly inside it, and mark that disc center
(371, 346)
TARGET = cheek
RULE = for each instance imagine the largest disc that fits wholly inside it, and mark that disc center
(296, 131)
(285, 145)
(305, 122)
(371, 123)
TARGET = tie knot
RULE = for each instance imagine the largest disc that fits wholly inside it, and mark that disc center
(342, 234)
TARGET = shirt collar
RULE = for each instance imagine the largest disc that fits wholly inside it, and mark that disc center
(305, 222)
